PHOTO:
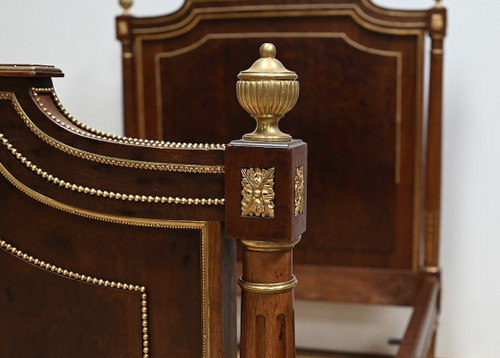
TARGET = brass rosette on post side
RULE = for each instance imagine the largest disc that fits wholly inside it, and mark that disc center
(267, 90)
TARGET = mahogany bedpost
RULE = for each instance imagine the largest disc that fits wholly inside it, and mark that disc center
(124, 36)
(437, 31)
(265, 176)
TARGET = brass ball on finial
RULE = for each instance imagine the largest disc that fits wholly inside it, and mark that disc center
(267, 50)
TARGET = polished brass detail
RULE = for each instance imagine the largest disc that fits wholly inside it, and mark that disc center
(437, 51)
(258, 192)
(438, 4)
(299, 190)
(68, 274)
(257, 287)
(186, 168)
(432, 269)
(105, 193)
(437, 21)
(128, 55)
(126, 5)
(281, 10)
(32, 68)
(94, 133)
(270, 11)
(267, 91)
(134, 221)
(269, 246)
(122, 28)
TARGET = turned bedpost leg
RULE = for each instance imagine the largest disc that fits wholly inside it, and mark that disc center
(433, 155)
(265, 207)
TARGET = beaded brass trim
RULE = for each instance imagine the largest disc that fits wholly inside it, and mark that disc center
(257, 191)
(269, 246)
(278, 287)
(134, 221)
(104, 193)
(299, 191)
(94, 133)
(188, 168)
(90, 280)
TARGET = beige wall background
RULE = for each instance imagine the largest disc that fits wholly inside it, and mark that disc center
(79, 37)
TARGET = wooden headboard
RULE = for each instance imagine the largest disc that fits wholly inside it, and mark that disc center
(374, 157)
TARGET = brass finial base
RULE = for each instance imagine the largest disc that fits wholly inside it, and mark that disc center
(267, 131)
(267, 90)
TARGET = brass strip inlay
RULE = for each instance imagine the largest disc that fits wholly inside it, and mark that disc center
(104, 193)
(66, 273)
(269, 246)
(189, 168)
(134, 221)
(437, 51)
(334, 12)
(262, 11)
(277, 287)
(328, 35)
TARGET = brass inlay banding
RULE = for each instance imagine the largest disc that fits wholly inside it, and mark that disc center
(277, 287)
(189, 168)
(104, 193)
(94, 133)
(90, 280)
(269, 246)
(257, 190)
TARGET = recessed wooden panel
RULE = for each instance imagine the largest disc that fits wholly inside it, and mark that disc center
(356, 111)
(170, 262)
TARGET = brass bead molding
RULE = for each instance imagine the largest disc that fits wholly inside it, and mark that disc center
(126, 5)
(68, 274)
(267, 90)
(104, 193)
(94, 133)
(278, 287)
(128, 163)
(269, 246)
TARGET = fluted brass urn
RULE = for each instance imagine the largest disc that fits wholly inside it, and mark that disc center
(267, 90)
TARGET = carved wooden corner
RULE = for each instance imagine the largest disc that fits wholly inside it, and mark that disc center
(266, 195)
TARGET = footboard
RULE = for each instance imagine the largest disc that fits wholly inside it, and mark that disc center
(116, 247)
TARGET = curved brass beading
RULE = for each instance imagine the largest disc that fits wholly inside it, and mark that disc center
(267, 90)
(269, 246)
(277, 287)
(66, 273)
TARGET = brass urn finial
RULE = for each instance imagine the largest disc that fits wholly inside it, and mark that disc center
(439, 4)
(126, 5)
(267, 90)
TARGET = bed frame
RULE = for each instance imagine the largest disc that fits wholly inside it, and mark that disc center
(113, 246)
(375, 151)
